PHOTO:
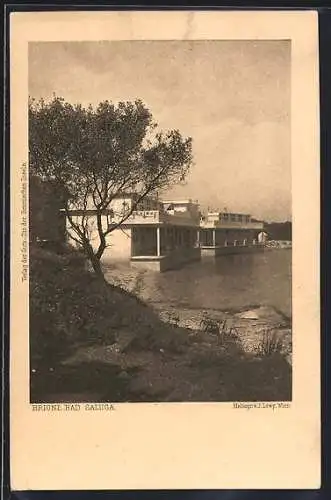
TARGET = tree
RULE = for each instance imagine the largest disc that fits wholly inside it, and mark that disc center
(279, 230)
(46, 222)
(93, 155)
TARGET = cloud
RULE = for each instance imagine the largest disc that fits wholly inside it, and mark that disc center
(232, 97)
(244, 167)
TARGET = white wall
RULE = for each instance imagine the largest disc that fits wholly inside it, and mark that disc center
(120, 245)
(119, 239)
(92, 228)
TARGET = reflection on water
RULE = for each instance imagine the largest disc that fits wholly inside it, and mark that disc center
(228, 282)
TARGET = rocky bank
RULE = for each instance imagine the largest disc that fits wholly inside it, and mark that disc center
(252, 323)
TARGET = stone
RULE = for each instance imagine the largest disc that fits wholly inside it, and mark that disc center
(263, 313)
(248, 315)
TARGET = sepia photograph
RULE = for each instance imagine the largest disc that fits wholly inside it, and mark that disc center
(164, 260)
(160, 221)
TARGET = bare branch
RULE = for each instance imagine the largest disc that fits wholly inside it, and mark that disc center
(94, 154)
(150, 188)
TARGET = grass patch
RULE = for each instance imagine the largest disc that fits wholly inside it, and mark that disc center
(270, 344)
(71, 309)
(70, 306)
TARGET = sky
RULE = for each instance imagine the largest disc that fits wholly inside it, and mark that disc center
(232, 97)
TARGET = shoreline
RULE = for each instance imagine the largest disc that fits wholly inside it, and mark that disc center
(251, 322)
(124, 348)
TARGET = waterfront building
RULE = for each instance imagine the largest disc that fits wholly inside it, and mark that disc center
(223, 233)
(156, 235)
(162, 235)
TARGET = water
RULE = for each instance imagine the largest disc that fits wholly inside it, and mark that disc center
(228, 282)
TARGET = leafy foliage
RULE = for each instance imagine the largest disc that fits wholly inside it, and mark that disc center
(91, 155)
(279, 230)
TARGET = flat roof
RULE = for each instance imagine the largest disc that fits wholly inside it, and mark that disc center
(181, 202)
(229, 213)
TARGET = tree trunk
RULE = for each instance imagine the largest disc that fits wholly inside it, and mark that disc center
(96, 264)
(94, 260)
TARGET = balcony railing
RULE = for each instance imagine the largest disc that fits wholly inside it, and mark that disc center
(139, 216)
(184, 219)
(231, 224)
(160, 217)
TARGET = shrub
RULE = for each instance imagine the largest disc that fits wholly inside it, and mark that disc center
(67, 305)
(70, 306)
(209, 325)
(221, 329)
(269, 344)
(227, 333)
